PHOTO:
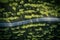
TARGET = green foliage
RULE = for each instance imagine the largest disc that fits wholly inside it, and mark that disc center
(14, 10)
(4, 1)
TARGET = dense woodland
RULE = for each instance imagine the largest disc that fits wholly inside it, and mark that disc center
(19, 10)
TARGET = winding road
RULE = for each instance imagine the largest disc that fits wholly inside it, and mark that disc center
(45, 19)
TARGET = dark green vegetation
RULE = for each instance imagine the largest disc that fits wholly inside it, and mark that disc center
(18, 10)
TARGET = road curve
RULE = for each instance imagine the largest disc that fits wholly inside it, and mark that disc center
(45, 19)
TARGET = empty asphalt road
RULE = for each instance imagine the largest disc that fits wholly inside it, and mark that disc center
(45, 19)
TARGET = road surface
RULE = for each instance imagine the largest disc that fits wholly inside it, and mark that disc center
(45, 19)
